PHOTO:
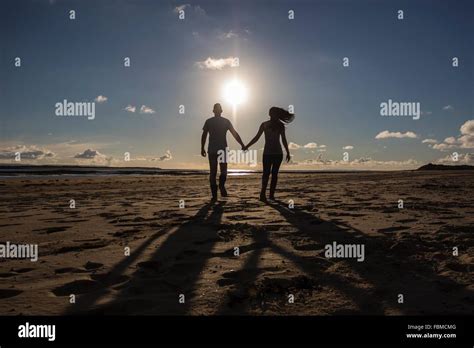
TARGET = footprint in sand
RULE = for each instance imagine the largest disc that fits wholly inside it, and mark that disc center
(77, 287)
(154, 266)
(108, 279)
(69, 270)
(392, 229)
(93, 265)
(52, 229)
(7, 293)
(22, 270)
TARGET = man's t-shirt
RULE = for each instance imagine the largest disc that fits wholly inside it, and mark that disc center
(217, 127)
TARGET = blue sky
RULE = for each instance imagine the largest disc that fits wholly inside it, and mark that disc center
(281, 62)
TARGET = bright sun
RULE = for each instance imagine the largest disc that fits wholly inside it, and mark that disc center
(235, 92)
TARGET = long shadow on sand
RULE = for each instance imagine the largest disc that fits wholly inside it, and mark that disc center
(177, 265)
(173, 269)
(385, 273)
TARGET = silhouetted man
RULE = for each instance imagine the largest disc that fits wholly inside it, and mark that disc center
(217, 128)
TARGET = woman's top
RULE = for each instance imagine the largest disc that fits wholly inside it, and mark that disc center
(272, 131)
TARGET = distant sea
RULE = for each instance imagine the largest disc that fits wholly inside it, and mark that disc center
(11, 171)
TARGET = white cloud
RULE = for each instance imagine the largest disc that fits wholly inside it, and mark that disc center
(89, 154)
(450, 140)
(386, 134)
(464, 141)
(429, 141)
(358, 163)
(31, 152)
(467, 128)
(198, 10)
(293, 146)
(130, 108)
(166, 157)
(181, 8)
(311, 146)
(463, 158)
(467, 141)
(443, 147)
(348, 147)
(146, 110)
(218, 63)
(228, 35)
(448, 107)
(100, 99)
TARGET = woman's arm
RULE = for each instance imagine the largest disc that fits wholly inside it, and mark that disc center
(255, 139)
(285, 144)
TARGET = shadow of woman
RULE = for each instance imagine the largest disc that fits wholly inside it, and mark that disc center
(388, 271)
(383, 274)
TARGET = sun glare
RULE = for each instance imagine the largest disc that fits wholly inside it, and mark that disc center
(235, 92)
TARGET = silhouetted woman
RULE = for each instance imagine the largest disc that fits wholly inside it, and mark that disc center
(272, 153)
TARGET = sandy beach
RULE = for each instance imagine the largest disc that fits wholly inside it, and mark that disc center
(191, 251)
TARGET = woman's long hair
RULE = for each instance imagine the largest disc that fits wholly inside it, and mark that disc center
(279, 117)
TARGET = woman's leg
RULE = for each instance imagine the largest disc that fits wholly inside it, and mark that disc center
(276, 162)
(265, 176)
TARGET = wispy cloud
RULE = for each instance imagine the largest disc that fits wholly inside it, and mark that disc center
(358, 163)
(198, 10)
(462, 158)
(228, 35)
(100, 99)
(32, 152)
(89, 154)
(218, 63)
(146, 110)
(311, 146)
(429, 141)
(130, 108)
(166, 157)
(182, 7)
(293, 146)
(448, 107)
(386, 135)
(443, 147)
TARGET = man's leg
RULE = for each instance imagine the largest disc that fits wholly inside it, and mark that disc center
(222, 179)
(213, 174)
(276, 162)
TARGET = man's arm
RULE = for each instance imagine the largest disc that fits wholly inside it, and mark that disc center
(203, 142)
(255, 139)
(236, 135)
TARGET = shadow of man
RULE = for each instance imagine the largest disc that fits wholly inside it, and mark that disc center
(172, 270)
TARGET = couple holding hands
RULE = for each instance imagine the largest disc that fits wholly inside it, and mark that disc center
(273, 129)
